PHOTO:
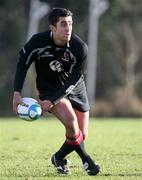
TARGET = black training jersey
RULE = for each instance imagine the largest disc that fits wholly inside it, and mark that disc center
(58, 68)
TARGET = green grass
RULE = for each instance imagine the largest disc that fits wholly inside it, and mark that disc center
(26, 148)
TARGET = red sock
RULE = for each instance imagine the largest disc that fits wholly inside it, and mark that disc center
(76, 140)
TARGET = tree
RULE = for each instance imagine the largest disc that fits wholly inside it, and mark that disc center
(12, 25)
(120, 53)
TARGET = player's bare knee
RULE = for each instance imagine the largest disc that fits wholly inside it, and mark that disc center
(72, 126)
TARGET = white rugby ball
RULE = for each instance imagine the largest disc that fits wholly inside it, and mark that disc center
(29, 109)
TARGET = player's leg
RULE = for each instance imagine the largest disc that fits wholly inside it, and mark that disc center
(79, 100)
(83, 122)
(88, 163)
(65, 113)
(74, 139)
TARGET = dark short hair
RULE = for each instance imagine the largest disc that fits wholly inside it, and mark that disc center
(56, 13)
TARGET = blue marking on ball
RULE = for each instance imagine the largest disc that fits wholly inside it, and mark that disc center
(34, 112)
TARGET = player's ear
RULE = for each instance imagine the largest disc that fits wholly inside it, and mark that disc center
(52, 28)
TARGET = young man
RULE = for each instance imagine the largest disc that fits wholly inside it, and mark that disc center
(60, 58)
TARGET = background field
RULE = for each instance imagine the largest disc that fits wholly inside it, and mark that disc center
(26, 148)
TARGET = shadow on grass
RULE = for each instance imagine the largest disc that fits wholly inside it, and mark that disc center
(127, 174)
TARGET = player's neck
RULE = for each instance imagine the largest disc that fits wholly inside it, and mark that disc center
(59, 42)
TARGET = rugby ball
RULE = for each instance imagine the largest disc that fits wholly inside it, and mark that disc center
(29, 109)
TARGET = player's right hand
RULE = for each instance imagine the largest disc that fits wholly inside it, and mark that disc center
(46, 105)
(17, 99)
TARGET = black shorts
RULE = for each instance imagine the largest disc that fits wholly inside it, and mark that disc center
(78, 97)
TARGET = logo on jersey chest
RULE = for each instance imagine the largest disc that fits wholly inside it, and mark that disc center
(62, 59)
(58, 59)
(66, 57)
(56, 66)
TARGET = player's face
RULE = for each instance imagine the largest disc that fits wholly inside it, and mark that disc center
(63, 30)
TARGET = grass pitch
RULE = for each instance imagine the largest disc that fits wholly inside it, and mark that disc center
(26, 148)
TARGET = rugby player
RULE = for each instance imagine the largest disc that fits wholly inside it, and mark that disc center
(59, 57)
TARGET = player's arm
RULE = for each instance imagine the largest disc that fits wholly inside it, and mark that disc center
(76, 73)
(25, 59)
